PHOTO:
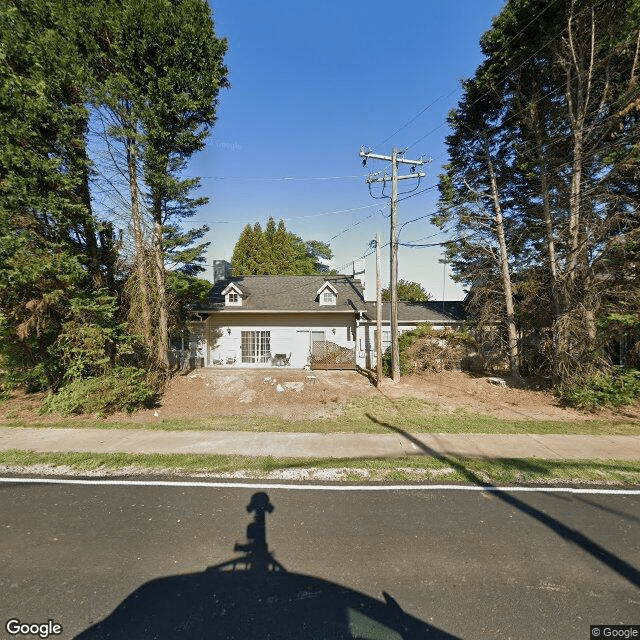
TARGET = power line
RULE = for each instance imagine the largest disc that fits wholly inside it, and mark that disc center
(404, 126)
(455, 89)
(511, 72)
(279, 179)
(355, 224)
(315, 215)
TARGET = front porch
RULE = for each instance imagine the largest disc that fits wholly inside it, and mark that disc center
(295, 341)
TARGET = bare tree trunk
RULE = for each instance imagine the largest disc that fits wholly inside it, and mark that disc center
(162, 341)
(574, 204)
(579, 70)
(547, 211)
(558, 304)
(504, 268)
(138, 235)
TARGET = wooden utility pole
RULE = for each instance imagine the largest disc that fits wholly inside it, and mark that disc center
(378, 315)
(393, 268)
(395, 159)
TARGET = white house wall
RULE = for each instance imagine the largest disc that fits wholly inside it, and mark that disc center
(197, 341)
(290, 333)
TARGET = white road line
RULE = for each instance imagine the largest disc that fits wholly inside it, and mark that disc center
(321, 487)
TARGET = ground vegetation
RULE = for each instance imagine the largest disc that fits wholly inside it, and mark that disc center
(102, 104)
(541, 190)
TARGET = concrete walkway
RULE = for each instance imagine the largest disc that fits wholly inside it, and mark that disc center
(315, 445)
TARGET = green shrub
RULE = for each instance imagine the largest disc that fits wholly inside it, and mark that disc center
(33, 379)
(123, 389)
(618, 388)
(405, 340)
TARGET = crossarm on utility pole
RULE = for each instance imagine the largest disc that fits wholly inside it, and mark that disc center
(386, 178)
(399, 159)
(395, 159)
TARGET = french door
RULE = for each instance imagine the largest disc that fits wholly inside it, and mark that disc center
(255, 346)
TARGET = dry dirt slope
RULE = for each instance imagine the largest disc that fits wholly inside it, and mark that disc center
(294, 394)
(314, 394)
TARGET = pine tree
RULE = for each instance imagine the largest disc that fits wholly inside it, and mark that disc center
(276, 251)
(166, 71)
(241, 261)
(557, 97)
(49, 248)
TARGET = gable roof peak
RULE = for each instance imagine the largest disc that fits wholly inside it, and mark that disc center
(232, 286)
(327, 285)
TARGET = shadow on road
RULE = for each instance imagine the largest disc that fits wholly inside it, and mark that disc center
(571, 535)
(254, 597)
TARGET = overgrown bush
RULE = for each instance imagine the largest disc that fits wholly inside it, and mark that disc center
(405, 340)
(123, 389)
(422, 331)
(617, 388)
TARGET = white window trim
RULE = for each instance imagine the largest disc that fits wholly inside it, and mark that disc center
(228, 292)
(255, 346)
(331, 301)
(327, 287)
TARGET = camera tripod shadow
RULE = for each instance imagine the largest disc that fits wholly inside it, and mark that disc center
(253, 597)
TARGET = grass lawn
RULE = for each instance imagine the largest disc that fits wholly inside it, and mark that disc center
(410, 469)
(365, 415)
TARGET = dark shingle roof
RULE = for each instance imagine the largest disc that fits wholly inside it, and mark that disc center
(416, 312)
(286, 293)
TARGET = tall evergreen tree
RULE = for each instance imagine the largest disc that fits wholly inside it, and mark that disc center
(276, 251)
(166, 70)
(49, 246)
(472, 193)
(158, 66)
(559, 91)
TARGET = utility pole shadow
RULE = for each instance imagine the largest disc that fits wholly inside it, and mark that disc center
(612, 561)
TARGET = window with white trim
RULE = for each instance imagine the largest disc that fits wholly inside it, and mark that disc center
(234, 299)
(255, 346)
(328, 297)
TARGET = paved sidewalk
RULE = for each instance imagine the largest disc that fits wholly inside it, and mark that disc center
(316, 445)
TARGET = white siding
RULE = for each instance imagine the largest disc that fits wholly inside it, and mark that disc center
(289, 334)
(197, 341)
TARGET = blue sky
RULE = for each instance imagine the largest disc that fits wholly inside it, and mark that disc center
(312, 82)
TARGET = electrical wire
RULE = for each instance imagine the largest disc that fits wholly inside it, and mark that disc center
(429, 188)
(280, 179)
(404, 126)
(455, 89)
(512, 71)
(315, 215)
(355, 224)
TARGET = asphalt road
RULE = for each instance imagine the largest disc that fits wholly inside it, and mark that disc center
(152, 562)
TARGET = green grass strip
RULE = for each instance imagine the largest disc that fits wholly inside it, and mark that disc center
(364, 415)
(410, 469)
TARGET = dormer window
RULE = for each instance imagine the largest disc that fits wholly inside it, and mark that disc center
(232, 296)
(327, 295)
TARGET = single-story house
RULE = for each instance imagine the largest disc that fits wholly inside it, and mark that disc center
(319, 321)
